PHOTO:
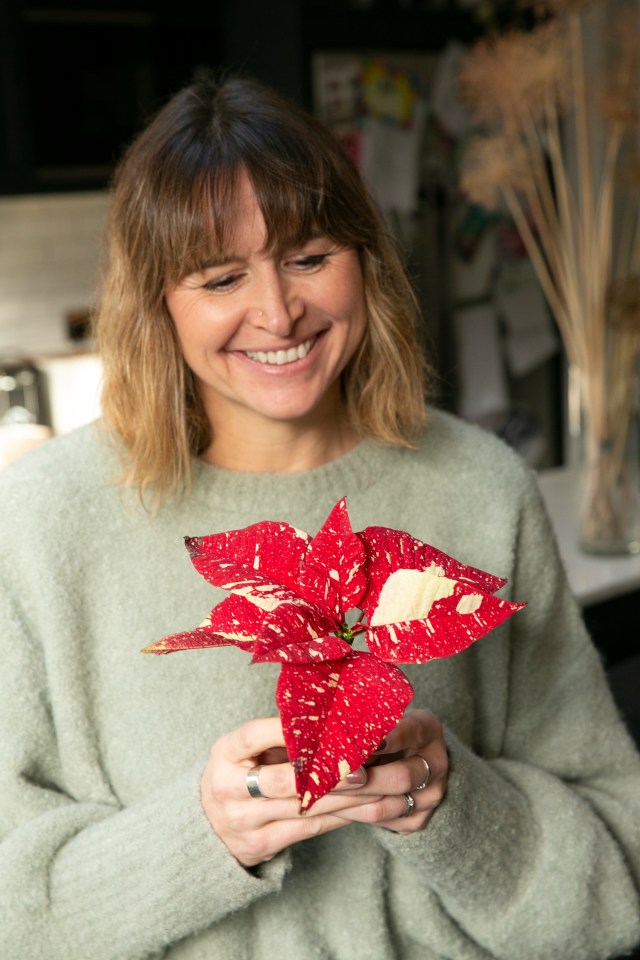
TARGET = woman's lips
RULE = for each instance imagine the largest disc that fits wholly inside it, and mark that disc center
(281, 357)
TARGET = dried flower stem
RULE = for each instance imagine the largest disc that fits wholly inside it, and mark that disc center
(567, 228)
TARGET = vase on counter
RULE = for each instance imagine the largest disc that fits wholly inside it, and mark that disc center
(609, 449)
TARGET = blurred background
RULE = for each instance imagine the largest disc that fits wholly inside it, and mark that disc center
(79, 79)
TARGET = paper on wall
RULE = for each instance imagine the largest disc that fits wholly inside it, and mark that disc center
(483, 386)
(446, 104)
(390, 160)
(530, 336)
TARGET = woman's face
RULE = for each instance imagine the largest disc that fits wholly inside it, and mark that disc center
(267, 337)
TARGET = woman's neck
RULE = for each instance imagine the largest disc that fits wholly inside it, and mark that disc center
(280, 447)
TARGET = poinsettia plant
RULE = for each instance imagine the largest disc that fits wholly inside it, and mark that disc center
(290, 597)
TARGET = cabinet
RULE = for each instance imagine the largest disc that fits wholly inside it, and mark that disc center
(78, 81)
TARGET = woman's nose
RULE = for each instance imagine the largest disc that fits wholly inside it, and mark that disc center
(277, 306)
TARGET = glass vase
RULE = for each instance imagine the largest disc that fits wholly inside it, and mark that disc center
(609, 450)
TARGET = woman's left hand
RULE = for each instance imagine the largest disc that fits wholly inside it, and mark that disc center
(412, 753)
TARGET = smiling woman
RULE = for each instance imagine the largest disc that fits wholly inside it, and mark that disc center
(239, 226)
(261, 364)
(270, 378)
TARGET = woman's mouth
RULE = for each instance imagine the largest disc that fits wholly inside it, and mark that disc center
(280, 357)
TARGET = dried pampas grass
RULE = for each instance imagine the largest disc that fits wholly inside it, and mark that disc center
(582, 229)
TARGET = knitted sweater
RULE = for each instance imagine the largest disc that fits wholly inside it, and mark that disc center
(106, 854)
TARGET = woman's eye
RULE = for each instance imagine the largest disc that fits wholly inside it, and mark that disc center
(310, 261)
(221, 283)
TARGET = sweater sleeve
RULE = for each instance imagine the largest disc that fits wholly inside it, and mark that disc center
(535, 853)
(85, 877)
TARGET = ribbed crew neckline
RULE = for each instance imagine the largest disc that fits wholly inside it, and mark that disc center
(358, 468)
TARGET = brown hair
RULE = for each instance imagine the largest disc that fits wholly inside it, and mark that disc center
(172, 207)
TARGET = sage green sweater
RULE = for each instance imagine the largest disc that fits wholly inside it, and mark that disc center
(105, 853)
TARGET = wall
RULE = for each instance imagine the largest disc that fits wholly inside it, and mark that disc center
(49, 252)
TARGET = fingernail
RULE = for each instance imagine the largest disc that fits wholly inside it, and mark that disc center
(357, 778)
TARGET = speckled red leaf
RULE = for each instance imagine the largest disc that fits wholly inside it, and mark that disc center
(269, 566)
(390, 550)
(333, 571)
(188, 640)
(298, 633)
(422, 603)
(262, 560)
(234, 621)
(274, 563)
(452, 625)
(334, 714)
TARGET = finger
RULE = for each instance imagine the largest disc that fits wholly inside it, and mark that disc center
(260, 813)
(246, 818)
(377, 759)
(408, 775)
(274, 781)
(260, 845)
(426, 772)
(250, 740)
(304, 828)
(415, 730)
(392, 779)
(277, 781)
(387, 812)
(357, 778)
(272, 755)
(397, 812)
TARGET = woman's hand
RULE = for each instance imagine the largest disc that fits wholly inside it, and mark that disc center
(413, 751)
(255, 830)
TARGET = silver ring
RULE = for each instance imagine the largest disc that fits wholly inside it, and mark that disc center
(409, 808)
(253, 783)
(427, 774)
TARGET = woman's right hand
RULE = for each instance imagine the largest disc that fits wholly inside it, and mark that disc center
(255, 830)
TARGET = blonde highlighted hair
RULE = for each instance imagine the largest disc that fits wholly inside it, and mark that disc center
(173, 207)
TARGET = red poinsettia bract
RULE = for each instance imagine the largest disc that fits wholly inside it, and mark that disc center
(290, 595)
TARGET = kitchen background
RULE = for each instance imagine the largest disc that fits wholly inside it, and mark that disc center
(49, 251)
(77, 81)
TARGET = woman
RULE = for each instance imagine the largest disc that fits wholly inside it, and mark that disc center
(261, 361)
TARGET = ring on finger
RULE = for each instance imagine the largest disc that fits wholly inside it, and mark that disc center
(410, 806)
(427, 774)
(253, 783)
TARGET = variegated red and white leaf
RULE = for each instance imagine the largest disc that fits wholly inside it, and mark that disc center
(188, 640)
(390, 550)
(422, 614)
(261, 561)
(444, 633)
(298, 634)
(333, 569)
(233, 622)
(334, 715)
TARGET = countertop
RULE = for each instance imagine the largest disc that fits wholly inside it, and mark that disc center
(592, 578)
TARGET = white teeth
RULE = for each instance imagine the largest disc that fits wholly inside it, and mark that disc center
(279, 357)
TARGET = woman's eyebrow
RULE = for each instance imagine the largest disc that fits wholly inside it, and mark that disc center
(223, 259)
(220, 260)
